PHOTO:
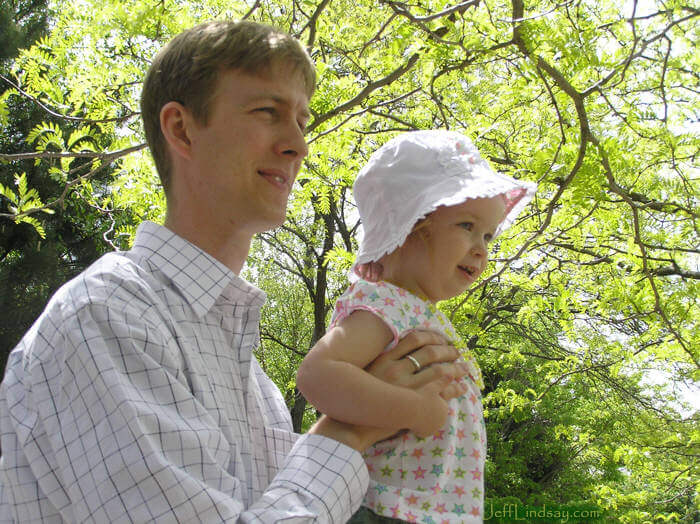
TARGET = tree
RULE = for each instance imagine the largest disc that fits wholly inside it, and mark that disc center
(22, 22)
(37, 256)
(585, 324)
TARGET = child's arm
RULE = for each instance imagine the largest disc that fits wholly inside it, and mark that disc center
(333, 379)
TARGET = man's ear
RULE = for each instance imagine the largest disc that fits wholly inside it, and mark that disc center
(176, 123)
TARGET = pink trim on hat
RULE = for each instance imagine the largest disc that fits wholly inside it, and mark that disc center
(512, 197)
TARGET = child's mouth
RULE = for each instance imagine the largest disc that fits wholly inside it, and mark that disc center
(469, 270)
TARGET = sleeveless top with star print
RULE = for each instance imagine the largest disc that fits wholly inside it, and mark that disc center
(439, 479)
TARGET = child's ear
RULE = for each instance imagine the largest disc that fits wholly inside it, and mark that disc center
(420, 229)
(370, 271)
(421, 233)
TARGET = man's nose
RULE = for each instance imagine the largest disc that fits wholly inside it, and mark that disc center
(293, 143)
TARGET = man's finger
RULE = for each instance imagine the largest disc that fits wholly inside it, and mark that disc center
(431, 354)
(441, 372)
(414, 340)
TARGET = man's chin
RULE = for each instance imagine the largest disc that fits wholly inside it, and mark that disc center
(273, 222)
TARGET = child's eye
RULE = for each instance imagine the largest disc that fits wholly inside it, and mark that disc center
(488, 238)
(467, 225)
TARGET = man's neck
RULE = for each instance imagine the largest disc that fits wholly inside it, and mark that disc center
(228, 247)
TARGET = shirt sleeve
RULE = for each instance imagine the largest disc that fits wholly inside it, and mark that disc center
(376, 298)
(100, 425)
(321, 481)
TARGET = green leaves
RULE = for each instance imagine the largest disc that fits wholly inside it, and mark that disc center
(46, 135)
(592, 291)
(24, 201)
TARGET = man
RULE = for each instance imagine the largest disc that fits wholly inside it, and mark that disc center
(135, 397)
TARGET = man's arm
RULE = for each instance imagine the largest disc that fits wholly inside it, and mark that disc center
(99, 424)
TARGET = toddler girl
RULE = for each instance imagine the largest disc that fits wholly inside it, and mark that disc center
(429, 205)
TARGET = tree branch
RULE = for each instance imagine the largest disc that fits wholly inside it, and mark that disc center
(371, 87)
(266, 335)
(65, 117)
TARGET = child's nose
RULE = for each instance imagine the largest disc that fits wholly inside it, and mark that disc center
(479, 248)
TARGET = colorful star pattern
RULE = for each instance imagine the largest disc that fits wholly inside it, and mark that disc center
(438, 479)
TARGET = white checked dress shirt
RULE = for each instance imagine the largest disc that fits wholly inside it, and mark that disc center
(135, 397)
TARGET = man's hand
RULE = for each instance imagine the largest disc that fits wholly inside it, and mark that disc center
(424, 362)
(434, 356)
(439, 376)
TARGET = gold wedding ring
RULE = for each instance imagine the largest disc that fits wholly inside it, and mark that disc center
(415, 362)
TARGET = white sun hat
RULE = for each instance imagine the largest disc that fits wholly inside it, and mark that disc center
(415, 173)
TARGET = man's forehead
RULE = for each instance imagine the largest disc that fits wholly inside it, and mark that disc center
(284, 73)
(277, 83)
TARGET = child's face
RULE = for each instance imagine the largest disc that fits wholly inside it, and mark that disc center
(442, 259)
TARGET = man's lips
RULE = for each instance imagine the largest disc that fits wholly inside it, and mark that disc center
(276, 177)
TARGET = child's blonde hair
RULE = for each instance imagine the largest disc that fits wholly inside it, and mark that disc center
(374, 271)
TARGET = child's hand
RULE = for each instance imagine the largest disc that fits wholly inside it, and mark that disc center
(433, 411)
(457, 387)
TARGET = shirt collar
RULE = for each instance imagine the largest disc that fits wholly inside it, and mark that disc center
(196, 274)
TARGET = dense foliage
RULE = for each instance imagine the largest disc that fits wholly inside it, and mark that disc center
(587, 321)
(36, 257)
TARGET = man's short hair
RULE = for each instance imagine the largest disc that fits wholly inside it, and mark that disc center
(187, 70)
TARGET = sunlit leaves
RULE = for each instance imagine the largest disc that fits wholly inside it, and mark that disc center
(24, 200)
(587, 321)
